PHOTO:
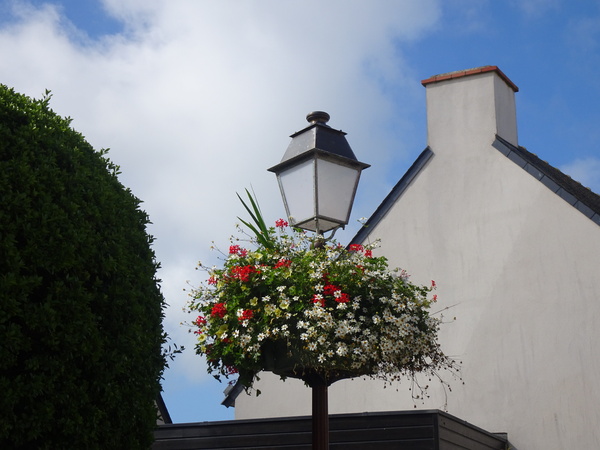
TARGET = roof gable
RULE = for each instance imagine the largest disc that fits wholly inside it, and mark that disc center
(394, 195)
(581, 198)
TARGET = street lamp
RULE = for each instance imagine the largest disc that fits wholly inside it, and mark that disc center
(318, 176)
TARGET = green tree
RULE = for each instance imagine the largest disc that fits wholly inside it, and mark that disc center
(80, 306)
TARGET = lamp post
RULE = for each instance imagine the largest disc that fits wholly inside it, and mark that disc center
(318, 177)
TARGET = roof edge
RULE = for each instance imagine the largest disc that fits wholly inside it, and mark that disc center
(468, 72)
(162, 409)
(579, 197)
(394, 194)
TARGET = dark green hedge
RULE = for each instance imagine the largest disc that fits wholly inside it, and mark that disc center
(80, 307)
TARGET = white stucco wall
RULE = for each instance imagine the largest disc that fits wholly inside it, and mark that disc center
(517, 266)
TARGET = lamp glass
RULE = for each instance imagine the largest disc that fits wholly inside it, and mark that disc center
(336, 185)
(297, 189)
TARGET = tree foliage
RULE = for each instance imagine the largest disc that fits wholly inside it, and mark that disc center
(80, 306)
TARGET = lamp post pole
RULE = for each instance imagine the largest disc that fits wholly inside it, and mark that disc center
(320, 415)
(318, 177)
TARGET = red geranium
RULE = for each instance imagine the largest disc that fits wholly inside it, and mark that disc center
(219, 310)
(282, 263)
(243, 273)
(247, 314)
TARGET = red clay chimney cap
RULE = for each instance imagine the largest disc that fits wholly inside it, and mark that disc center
(465, 73)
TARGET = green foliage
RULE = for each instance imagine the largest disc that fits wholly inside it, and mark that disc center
(80, 306)
(259, 227)
(298, 306)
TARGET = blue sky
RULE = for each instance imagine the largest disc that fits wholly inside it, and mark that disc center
(196, 99)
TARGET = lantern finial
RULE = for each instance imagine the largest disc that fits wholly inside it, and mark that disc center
(318, 117)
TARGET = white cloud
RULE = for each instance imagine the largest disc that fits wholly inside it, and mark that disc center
(197, 99)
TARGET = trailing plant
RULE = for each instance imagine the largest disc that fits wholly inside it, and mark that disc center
(292, 303)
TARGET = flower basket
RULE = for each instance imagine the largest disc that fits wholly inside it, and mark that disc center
(281, 360)
(291, 304)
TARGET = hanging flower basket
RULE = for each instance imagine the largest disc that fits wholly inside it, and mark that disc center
(280, 358)
(291, 304)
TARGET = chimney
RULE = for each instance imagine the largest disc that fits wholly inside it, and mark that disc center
(469, 108)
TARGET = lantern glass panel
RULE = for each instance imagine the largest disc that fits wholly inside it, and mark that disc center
(297, 188)
(336, 185)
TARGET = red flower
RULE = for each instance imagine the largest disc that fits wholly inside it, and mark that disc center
(356, 248)
(368, 253)
(212, 280)
(432, 283)
(342, 298)
(435, 297)
(219, 310)
(319, 299)
(280, 223)
(200, 321)
(330, 289)
(234, 249)
(243, 273)
(283, 263)
(247, 314)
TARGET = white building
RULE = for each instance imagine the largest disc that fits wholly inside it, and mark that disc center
(514, 247)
